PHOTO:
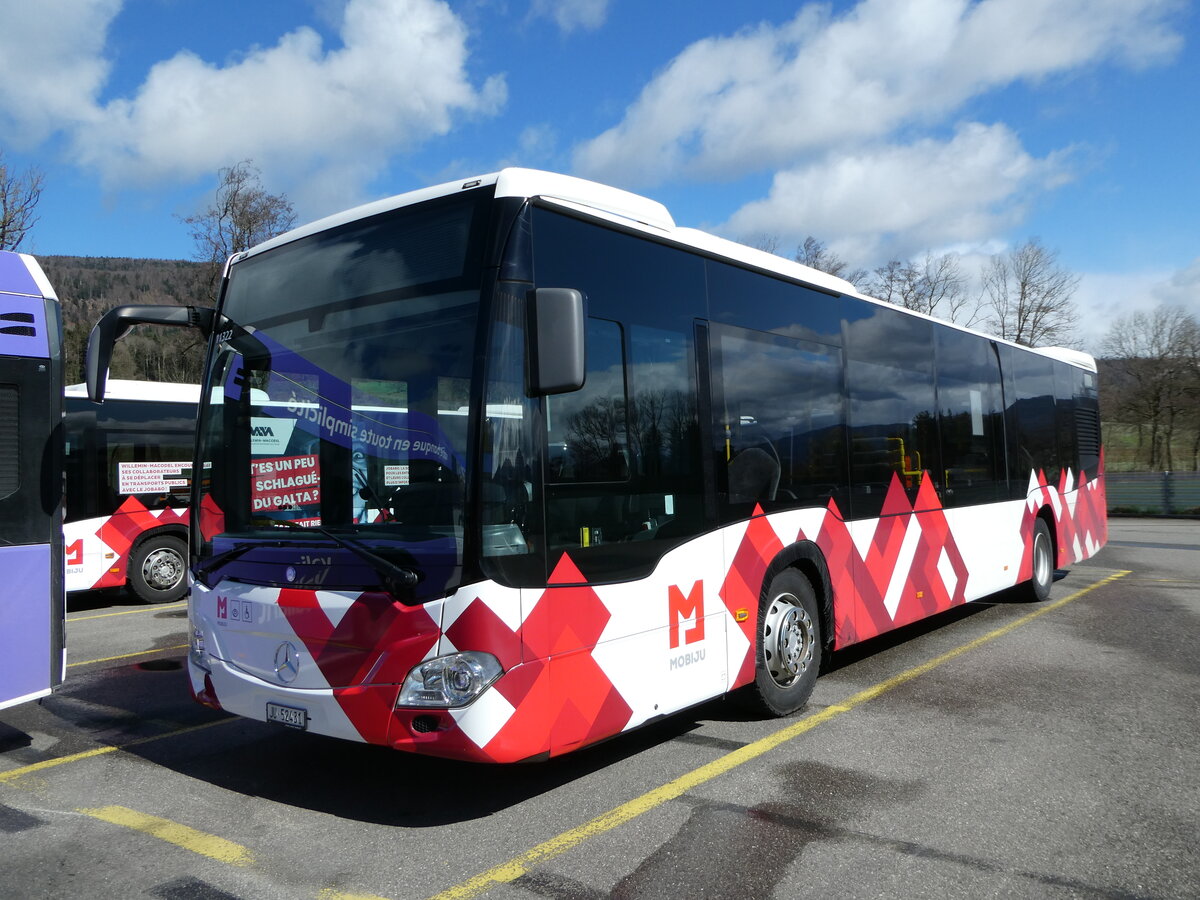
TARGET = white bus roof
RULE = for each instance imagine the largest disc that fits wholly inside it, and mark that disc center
(632, 211)
(157, 391)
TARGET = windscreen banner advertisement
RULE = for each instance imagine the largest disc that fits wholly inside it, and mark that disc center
(285, 482)
(153, 477)
(303, 406)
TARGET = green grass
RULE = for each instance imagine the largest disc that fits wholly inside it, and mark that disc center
(1121, 452)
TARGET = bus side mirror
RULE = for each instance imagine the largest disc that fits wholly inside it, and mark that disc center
(115, 324)
(556, 341)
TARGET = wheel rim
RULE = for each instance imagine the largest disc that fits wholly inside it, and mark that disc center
(162, 569)
(787, 639)
(1041, 558)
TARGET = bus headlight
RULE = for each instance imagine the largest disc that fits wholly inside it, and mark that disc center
(196, 651)
(449, 681)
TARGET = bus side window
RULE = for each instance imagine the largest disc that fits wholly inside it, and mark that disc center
(1034, 416)
(623, 462)
(779, 423)
(587, 447)
(969, 419)
(893, 406)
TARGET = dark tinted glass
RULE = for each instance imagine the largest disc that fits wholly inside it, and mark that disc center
(763, 303)
(1064, 405)
(31, 471)
(341, 398)
(624, 278)
(893, 413)
(127, 448)
(1087, 424)
(510, 495)
(1034, 418)
(970, 417)
(431, 247)
(622, 461)
(587, 431)
(779, 421)
(10, 440)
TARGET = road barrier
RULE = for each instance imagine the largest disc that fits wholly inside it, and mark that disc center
(1153, 493)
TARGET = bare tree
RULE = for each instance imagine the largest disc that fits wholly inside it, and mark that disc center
(19, 196)
(936, 286)
(1191, 389)
(1157, 354)
(241, 215)
(1029, 295)
(816, 255)
(767, 243)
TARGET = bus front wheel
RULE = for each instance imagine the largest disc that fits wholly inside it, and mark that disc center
(788, 651)
(158, 569)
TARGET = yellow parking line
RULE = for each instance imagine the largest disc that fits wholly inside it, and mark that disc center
(129, 612)
(174, 833)
(510, 871)
(15, 774)
(88, 662)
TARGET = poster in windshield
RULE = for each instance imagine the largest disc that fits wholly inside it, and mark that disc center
(394, 452)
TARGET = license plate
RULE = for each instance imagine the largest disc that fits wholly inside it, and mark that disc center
(290, 716)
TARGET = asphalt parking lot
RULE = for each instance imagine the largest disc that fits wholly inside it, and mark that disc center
(1004, 749)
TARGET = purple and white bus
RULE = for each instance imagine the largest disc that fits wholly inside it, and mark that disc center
(32, 634)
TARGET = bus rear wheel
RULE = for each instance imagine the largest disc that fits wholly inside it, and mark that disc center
(788, 651)
(158, 569)
(1037, 588)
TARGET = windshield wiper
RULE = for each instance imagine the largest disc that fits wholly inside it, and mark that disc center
(395, 577)
(230, 555)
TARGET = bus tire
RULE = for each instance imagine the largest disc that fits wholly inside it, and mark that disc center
(788, 645)
(1037, 588)
(158, 569)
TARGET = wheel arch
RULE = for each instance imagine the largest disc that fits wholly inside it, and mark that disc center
(807, 558)
(152, 590)
(172, 530)
(1046, 514)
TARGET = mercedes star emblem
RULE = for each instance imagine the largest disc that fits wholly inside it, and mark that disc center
(287, 662)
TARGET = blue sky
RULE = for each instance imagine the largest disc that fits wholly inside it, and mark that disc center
(885, 128)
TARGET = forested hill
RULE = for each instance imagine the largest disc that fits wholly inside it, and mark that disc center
(88, 286)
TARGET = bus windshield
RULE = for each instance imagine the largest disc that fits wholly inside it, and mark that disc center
(339, 399)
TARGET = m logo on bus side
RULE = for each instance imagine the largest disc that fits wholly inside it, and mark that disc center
(680, 608)
(231, 609)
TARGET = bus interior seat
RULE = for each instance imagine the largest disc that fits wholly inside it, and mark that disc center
(753, 475)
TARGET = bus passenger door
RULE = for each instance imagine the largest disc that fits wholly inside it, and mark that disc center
(632, 621)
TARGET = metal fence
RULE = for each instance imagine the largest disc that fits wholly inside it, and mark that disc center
(1153, 493)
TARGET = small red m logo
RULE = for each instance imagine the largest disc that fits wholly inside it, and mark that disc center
(680, 608)
(75, 553)
(222, 607)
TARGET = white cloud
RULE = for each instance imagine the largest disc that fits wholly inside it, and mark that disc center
(51, 66)
(322, 120)
(771, 94)
(536, 145)
(887, 202)
(570, 15)
(1182, 289)
(1104, 297)
(298, 108)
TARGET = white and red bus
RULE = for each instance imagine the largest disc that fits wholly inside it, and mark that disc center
(504, 467)
(128, 477)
